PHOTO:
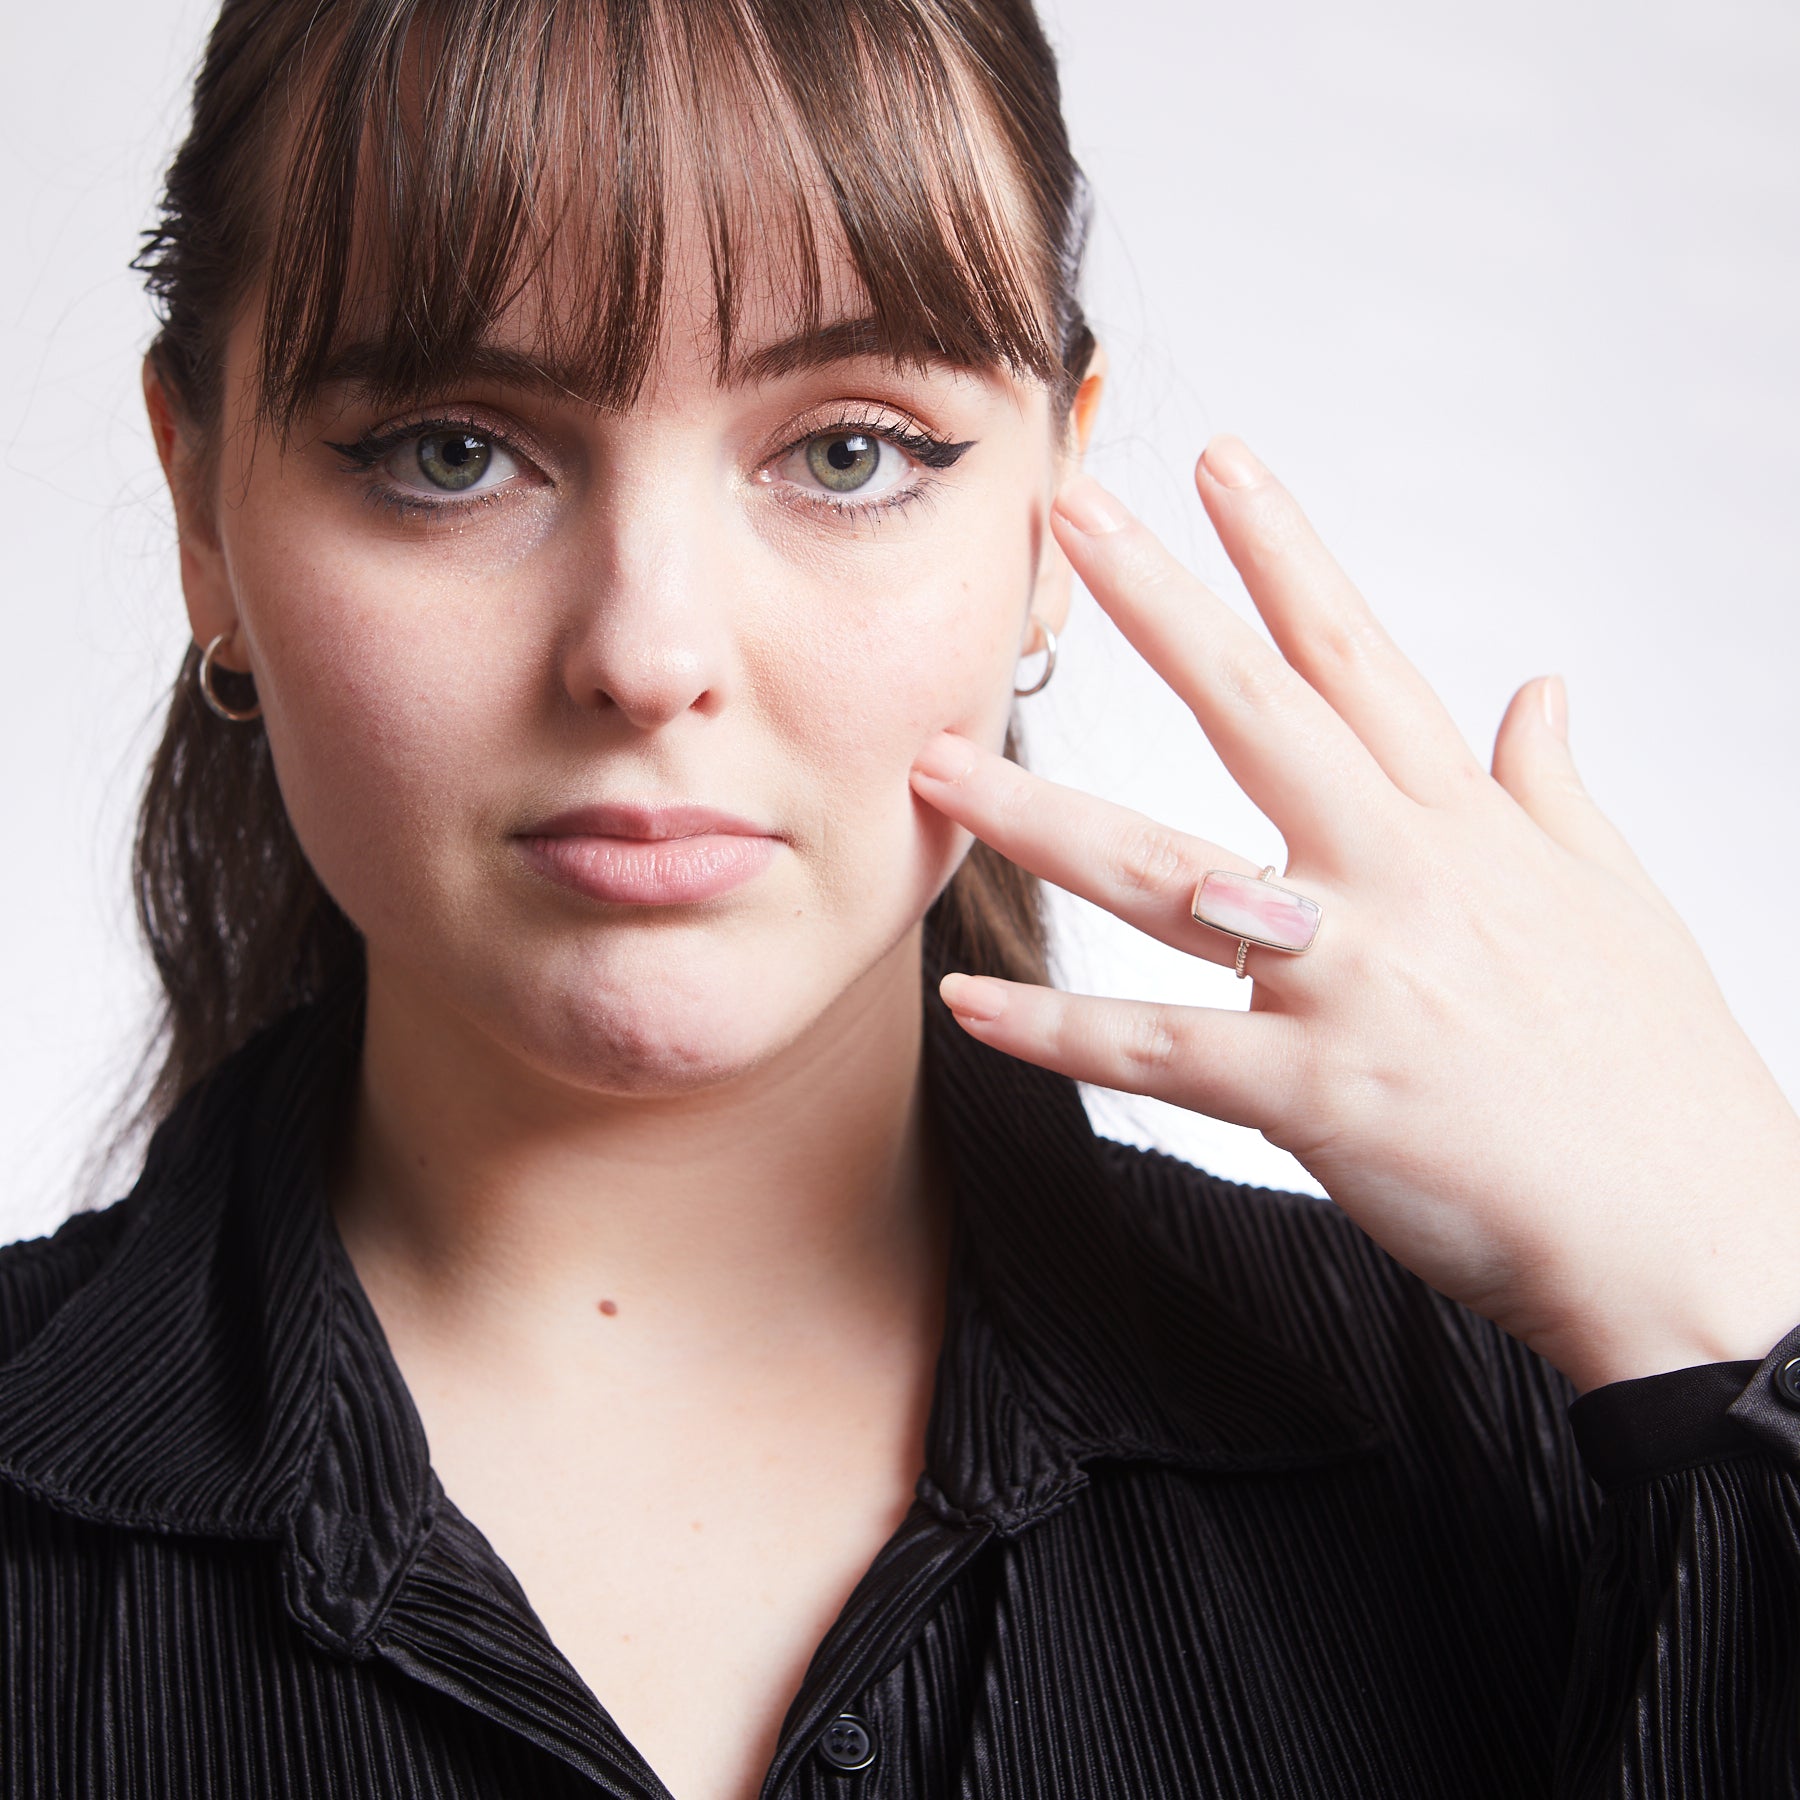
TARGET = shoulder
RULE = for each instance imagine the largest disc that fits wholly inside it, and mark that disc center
(261, 1088)
(1273, 1249)
(1311, 1279)
(38, 1275)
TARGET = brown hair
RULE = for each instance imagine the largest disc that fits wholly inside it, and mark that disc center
(434, 157)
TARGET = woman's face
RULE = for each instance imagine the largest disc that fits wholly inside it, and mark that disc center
(475, 614)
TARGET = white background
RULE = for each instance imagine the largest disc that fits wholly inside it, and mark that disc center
(1507, 295)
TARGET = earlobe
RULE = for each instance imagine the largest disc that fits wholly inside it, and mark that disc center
(1051, 591)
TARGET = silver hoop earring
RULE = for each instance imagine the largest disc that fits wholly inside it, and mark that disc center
(1043, 681)
(237, 715)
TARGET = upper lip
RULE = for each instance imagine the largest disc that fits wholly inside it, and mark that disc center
(622, 819)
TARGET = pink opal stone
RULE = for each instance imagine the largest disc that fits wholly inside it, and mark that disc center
(1258, 910)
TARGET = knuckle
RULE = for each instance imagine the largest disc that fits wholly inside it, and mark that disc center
(1350, 641)
(1147, 565)
(1256, 683)
(1146, 860)
(1150, 1044)
(1013, 795)
(1279, 532)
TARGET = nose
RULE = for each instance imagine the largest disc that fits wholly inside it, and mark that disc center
(649, 633)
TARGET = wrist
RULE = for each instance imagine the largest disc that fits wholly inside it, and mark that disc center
(1654, 1341)
(1722, 1286)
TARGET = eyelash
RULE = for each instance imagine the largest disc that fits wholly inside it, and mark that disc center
(365, 453)
(931, 453)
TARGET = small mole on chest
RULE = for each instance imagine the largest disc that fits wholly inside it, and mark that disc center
(609, 1307)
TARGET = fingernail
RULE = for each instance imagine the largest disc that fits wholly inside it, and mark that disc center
(943, 758)
(1556, 706)
(1090, 508)
(1229, 462)
(973, 997)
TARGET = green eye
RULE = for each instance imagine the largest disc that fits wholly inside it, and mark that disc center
(844, 462)
(453, 460)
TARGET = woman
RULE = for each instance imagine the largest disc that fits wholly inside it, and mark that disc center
(623, 1296)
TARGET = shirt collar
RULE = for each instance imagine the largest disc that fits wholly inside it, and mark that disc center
(222, 1373)
(180, 1385)
(1077, 1331)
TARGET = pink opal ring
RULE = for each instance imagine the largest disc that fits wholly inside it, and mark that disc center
(1254, 910)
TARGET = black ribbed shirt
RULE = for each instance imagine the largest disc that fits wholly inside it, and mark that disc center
(1219, 1500)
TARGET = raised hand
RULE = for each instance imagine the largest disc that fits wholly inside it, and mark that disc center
(1503, 1055)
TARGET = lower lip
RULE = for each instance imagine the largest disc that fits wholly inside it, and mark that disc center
(651, 871)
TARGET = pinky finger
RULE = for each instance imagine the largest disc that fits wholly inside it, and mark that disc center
(1532, 762)
(1227, 1064)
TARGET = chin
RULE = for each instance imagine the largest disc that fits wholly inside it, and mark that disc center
(663, 1026)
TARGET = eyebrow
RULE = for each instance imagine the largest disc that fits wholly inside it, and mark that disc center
(361, 365)
(844, 340)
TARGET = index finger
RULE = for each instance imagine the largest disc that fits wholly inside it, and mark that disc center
(1285, 746)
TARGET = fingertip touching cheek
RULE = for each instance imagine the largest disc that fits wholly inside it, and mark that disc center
(597, 722)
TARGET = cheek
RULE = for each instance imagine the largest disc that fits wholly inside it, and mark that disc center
(921, 640)
(384, 703)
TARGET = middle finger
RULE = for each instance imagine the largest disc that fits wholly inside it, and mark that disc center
(1300, 763)
(1327, 630)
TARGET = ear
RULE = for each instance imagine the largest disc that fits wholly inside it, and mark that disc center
(205, 584)
(1050, 594)
(1087, 401)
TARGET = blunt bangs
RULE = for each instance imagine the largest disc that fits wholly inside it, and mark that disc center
(448, 159)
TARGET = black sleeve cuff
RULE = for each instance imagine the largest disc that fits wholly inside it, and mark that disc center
(1632, 1430)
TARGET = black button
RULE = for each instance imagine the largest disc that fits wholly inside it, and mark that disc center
(1787, 1381)
(848, 1743)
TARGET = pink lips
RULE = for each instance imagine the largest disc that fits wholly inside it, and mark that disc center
(648, 855)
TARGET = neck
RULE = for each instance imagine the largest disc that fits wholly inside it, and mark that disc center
(492, 1212)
